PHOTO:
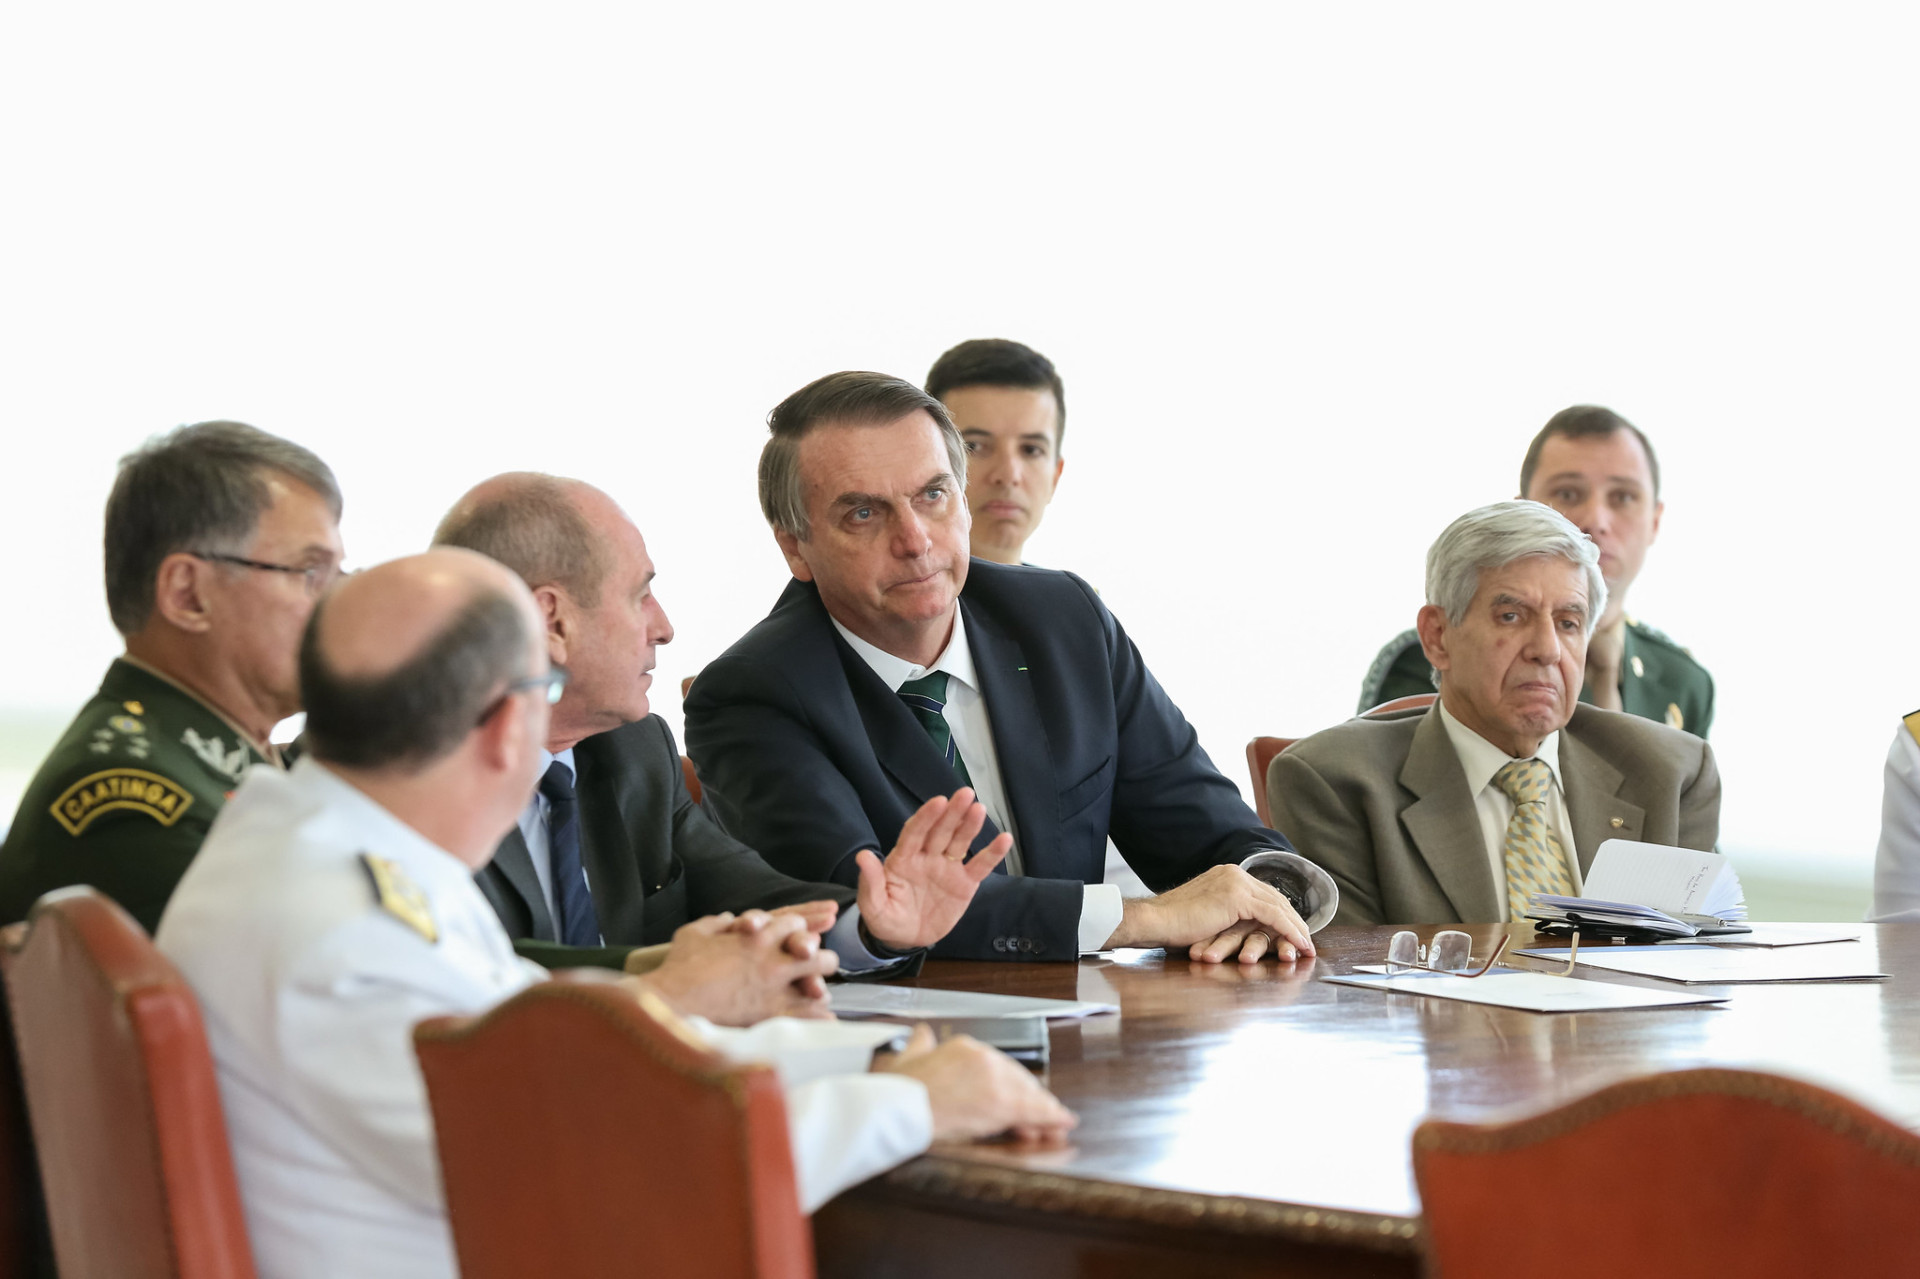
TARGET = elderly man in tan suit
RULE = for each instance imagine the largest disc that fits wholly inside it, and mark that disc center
(1507, 785)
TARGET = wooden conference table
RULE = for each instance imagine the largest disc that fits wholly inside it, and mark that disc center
(1239, 1121)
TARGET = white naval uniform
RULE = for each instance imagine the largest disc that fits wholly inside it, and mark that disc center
(310, 989)
(1896, 865)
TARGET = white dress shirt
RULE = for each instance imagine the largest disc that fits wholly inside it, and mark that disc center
(1896, 866)
(843, 939)
(1480, 759)
(966, 716)
(310, 989)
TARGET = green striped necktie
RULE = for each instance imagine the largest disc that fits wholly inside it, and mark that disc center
(926, 697)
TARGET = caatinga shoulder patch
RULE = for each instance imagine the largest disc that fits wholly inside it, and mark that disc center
(130, 789)
(1913, 725)
(400, 896)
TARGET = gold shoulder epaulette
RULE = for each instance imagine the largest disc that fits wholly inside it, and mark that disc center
(400, 896)
(1913, 725)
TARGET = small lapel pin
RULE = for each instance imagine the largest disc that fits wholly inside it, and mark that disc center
(1618, 822)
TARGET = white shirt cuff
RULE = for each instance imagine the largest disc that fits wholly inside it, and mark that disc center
(1100, 912)
(843, 939)
(1310, 889)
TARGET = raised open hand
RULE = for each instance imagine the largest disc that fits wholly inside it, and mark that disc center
(916, 896)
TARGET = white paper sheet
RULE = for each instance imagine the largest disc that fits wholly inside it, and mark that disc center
(1782, 935)
(872, 999)
(1526, 991)
(1698, 965)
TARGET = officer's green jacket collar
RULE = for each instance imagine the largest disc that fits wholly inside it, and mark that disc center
(130, 679)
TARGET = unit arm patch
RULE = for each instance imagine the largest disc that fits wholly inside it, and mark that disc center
(133, 789)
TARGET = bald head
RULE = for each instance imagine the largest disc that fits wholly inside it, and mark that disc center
(400, 662)
(592, 578)
(549, 530)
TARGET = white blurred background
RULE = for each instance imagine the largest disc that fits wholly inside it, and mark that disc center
(1313, 275)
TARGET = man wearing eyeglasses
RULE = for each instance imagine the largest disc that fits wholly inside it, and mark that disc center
(219, 538)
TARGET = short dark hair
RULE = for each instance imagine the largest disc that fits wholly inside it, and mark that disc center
(196, 488)
(536, 529)
(999, 362)
(1580, 422)
(848, 399)
(424, 708)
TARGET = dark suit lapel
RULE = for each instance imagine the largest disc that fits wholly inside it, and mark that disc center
(899, 743)
(1594, 807)
(1443, 823)
(1019, 739)
(515, 865)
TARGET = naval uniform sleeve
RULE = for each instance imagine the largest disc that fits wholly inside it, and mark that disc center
(1896, 864)
(844, 1122)
(347, 1009)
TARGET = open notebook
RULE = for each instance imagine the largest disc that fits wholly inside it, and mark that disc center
(1670, 892)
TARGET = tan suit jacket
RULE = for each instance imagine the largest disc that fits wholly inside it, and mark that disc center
(1382, 804)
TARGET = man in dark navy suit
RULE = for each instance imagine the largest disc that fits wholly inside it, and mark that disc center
(894, 669)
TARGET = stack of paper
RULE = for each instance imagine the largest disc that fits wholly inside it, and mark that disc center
(1670, 892)
(1528, 991)
(1727, 965)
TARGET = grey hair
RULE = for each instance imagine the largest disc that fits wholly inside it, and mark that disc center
(418, 712)
(1494, 537)
(532, 524)
(200, 488)
(844, 399)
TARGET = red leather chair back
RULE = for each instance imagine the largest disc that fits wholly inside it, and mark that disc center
(120, 1086)
(1408, 703)
(628, 1148)
(693, 778)
(1261, 750)
(1725, 1171)
(1260, 753)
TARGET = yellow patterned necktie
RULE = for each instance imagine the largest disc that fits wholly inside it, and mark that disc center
(1535, 861)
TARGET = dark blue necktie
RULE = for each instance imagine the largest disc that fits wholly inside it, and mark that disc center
(573, 903)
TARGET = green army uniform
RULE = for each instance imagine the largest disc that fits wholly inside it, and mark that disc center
(1659, 680)
(125, 798)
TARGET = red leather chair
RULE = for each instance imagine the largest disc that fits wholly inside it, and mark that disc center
(1260, 753)
(1411, 702)
(1261, 750)
(693, 778)
(1725, 1171)
(125, 1106)
(630, 1148)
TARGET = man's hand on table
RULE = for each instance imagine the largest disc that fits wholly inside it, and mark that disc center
(736, 971)
(916, 896)
(1218, 914)
(976, 1091)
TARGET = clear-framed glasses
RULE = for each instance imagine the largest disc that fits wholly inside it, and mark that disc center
(1450, 952)
(554, 682)
(315, 577)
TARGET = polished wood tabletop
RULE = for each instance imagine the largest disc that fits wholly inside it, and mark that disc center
(1262, 1101)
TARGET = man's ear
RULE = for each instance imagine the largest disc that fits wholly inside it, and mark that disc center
(796, 562)
(1059, 468)
(179, 592)
(1659, 509)
(1432, 627)
(561, 618)
(501, 733)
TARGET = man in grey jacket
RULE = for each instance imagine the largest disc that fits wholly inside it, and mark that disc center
(1507, 785)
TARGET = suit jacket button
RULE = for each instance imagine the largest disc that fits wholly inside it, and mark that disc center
(1000, 943)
